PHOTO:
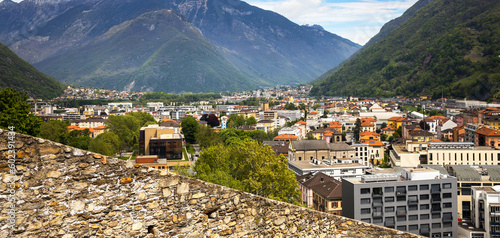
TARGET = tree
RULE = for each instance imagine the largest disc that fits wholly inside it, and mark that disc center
(310, 136)
(357, 129)
(213, 120)
(384, 125)
(251, 121)
(383, 137)
(107, 143)
(55, 130)
(143, 117)
(15, 112)
(189, 128)
(251, 167)
(290, 106)
(206, 137)
(126, 128)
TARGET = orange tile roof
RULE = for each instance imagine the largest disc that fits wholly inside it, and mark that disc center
(369, 119)
(388, 128)
(328, 133)
(313, 113)
(73, 127)
(369, 133)
(335, 124)
(436, 140)
(302, 122)
(488, 132)
(396, 119)
(366, 124)
(286, 137)
(374, 143)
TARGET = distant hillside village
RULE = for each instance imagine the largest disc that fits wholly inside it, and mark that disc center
(428, 167)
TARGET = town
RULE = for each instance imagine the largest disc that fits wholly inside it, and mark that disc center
(425, 166)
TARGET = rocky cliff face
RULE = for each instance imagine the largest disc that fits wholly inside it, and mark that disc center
(54, 190)
(266, 47)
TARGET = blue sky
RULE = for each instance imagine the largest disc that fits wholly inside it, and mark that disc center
(356, 20)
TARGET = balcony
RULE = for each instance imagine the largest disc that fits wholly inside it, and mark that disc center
(436, 199)
(400, 212)
(377, 214)
(377, 204)
(435, 190)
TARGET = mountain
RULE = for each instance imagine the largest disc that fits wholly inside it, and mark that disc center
(265, 47)
(159, 50)
(17, 73)
(448, 46)
(384, 31)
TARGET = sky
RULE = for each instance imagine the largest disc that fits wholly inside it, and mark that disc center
(356, 20)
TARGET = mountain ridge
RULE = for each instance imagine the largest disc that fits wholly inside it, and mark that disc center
(267, 48)
(447, 46)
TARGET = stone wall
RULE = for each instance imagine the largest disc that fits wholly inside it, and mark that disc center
(61, 191)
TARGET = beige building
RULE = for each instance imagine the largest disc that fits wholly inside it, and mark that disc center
(309, 150)
(157, 132)
(465, 153)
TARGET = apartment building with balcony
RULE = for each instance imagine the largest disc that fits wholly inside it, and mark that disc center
(420, 201)
(486, 210)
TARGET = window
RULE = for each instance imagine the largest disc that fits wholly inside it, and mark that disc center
(365, 211)
(365, 191)
(447, 234)
(436, 235)
(400, 190)
(369, 220)
(377, 191)
(424, 217)
(413, 217)
(412, 199)
(389, 189)
(377, 220)
(401, 198)
(424, 196)
(389, 209)
(446, 195)
(300, 158)
(412, 188)
(424, 206)
(389, 199)
(413, 227)
(402, 228)
(436, 225)
(412, 207)
(365, 201)
(447, 217)
(446, 185)
(436, 215)
(447, 205)
(424, 187)
(401, 218)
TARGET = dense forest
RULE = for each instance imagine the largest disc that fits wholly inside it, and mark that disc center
(448, 46)
(19, 74)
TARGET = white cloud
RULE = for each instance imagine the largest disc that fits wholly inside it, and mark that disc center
(357, 20)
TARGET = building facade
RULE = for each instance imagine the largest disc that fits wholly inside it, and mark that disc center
(420, 201)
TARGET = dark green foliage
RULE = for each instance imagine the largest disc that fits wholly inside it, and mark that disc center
(107, 143)
(236, 121)
(55, 130)
(357, 129)
(189, 128)
(251, 167)
(15, 112)
(447, 46)
(206, 137)
(290, 106)
(19, 74)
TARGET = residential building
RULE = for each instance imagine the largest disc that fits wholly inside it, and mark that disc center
(265, 125)
(420, 135)
(395, 122)
(307, 181)
(370, 152)
(487, 137)
(286, 137)
(486, 210)
(279, 147)
(327, 197)
(334, 170)
(420, 201)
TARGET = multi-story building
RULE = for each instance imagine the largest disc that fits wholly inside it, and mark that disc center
(165, 142)
(454, 153)
(334, 170)
(420, 201)
(486, 210)
(370, 152)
